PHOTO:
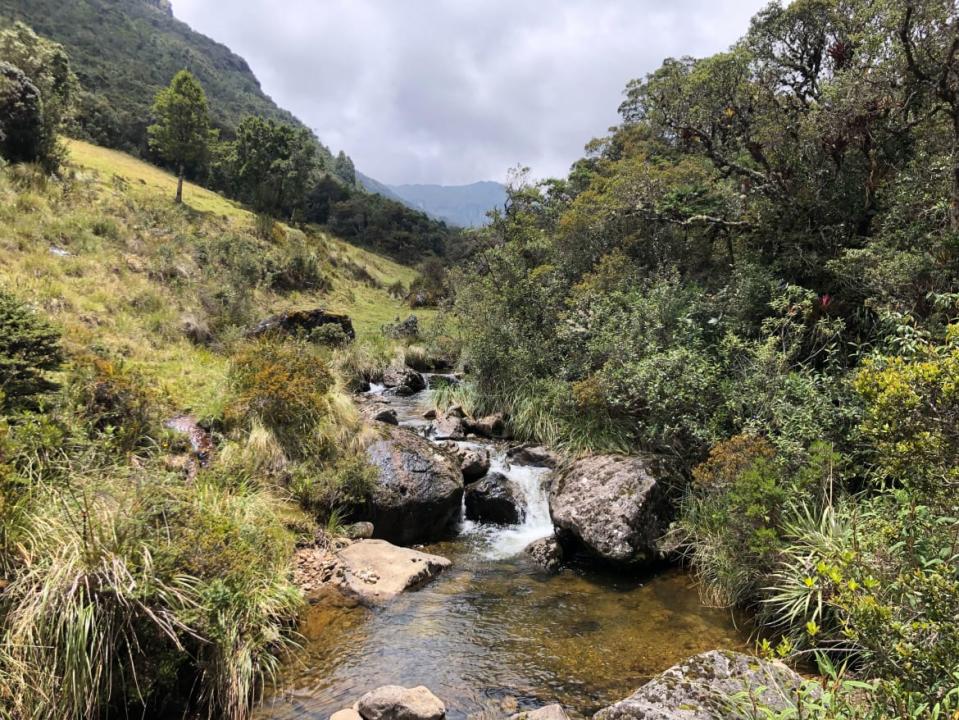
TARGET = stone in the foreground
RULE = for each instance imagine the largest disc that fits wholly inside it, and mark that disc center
(547, 712)
(419, 488)
(702, 688)
(392, 702)
(347, 714)
(611, 506)
(376, 571)
(546, 552)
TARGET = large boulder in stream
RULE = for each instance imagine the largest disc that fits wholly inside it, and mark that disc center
(419, 489)
(704, 687)
(546, 552)
(610, 506)
(398, 377)
(302, 321)
(495, 499)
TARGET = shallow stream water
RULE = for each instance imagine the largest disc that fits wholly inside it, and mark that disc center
(495, 633)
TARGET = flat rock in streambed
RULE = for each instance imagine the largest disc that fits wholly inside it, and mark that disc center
(702, 688)
(375, 571)
(419, 488)
(610, 506)
(392, 702)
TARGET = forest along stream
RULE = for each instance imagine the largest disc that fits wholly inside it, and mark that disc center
(495, 633)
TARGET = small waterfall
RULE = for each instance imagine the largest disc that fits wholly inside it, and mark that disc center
(507, 541)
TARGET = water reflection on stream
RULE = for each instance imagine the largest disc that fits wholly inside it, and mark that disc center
(495, 633)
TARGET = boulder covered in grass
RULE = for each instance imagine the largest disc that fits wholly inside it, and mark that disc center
(302, 321)
(419, 488)
(610, 506)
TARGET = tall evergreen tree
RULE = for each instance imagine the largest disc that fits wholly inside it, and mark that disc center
(181, 134)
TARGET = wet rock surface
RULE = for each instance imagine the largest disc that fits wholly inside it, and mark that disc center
(546, 552)
(703, 688)
(611, 506)
(418, 492)
(495, 499)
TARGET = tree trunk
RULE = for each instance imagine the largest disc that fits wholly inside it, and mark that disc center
(179, 186)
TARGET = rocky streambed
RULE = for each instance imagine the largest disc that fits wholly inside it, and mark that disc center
(487, 627)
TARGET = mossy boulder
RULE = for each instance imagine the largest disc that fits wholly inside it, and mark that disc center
(710, 686)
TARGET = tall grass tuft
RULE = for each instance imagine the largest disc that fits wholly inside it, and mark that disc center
(125, 580)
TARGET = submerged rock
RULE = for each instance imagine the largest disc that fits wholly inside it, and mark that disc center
(611, 506)
(702, 688)
(495, 499)
(419, 488)
(375, 571)
(303, 321)
(548, 712)
(546, 552)
(392, 702)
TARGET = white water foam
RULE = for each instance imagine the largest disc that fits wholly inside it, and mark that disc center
(508, 541)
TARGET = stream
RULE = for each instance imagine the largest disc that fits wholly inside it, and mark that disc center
(495, 633)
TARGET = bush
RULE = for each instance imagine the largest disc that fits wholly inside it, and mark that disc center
(21, 116)
(29, 349)
(732, 520)
(341, 485)
(283, 384)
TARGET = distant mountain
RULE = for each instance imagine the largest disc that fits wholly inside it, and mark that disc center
(375, 186)
(460, 205)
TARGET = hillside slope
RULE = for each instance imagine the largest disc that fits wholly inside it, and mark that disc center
(109, 258)
(124, 51)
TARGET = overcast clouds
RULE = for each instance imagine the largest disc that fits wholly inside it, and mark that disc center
(453, 91)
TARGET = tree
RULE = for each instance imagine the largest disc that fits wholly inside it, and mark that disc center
(21, 116)
(273, 166)
(181, 134)
(29, 348)
(344, 169)
(45, 67)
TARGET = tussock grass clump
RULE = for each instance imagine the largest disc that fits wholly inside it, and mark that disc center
(127, 580)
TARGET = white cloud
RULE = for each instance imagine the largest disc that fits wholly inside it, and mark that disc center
(453, 91)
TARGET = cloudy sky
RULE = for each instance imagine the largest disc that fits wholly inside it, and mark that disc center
(454, 91)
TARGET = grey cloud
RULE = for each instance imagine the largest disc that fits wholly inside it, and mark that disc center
(453, 91)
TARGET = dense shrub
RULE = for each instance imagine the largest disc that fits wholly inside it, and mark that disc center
(283, 384)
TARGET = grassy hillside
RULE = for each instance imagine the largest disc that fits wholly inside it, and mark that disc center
(124, 51)
(139, 270)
